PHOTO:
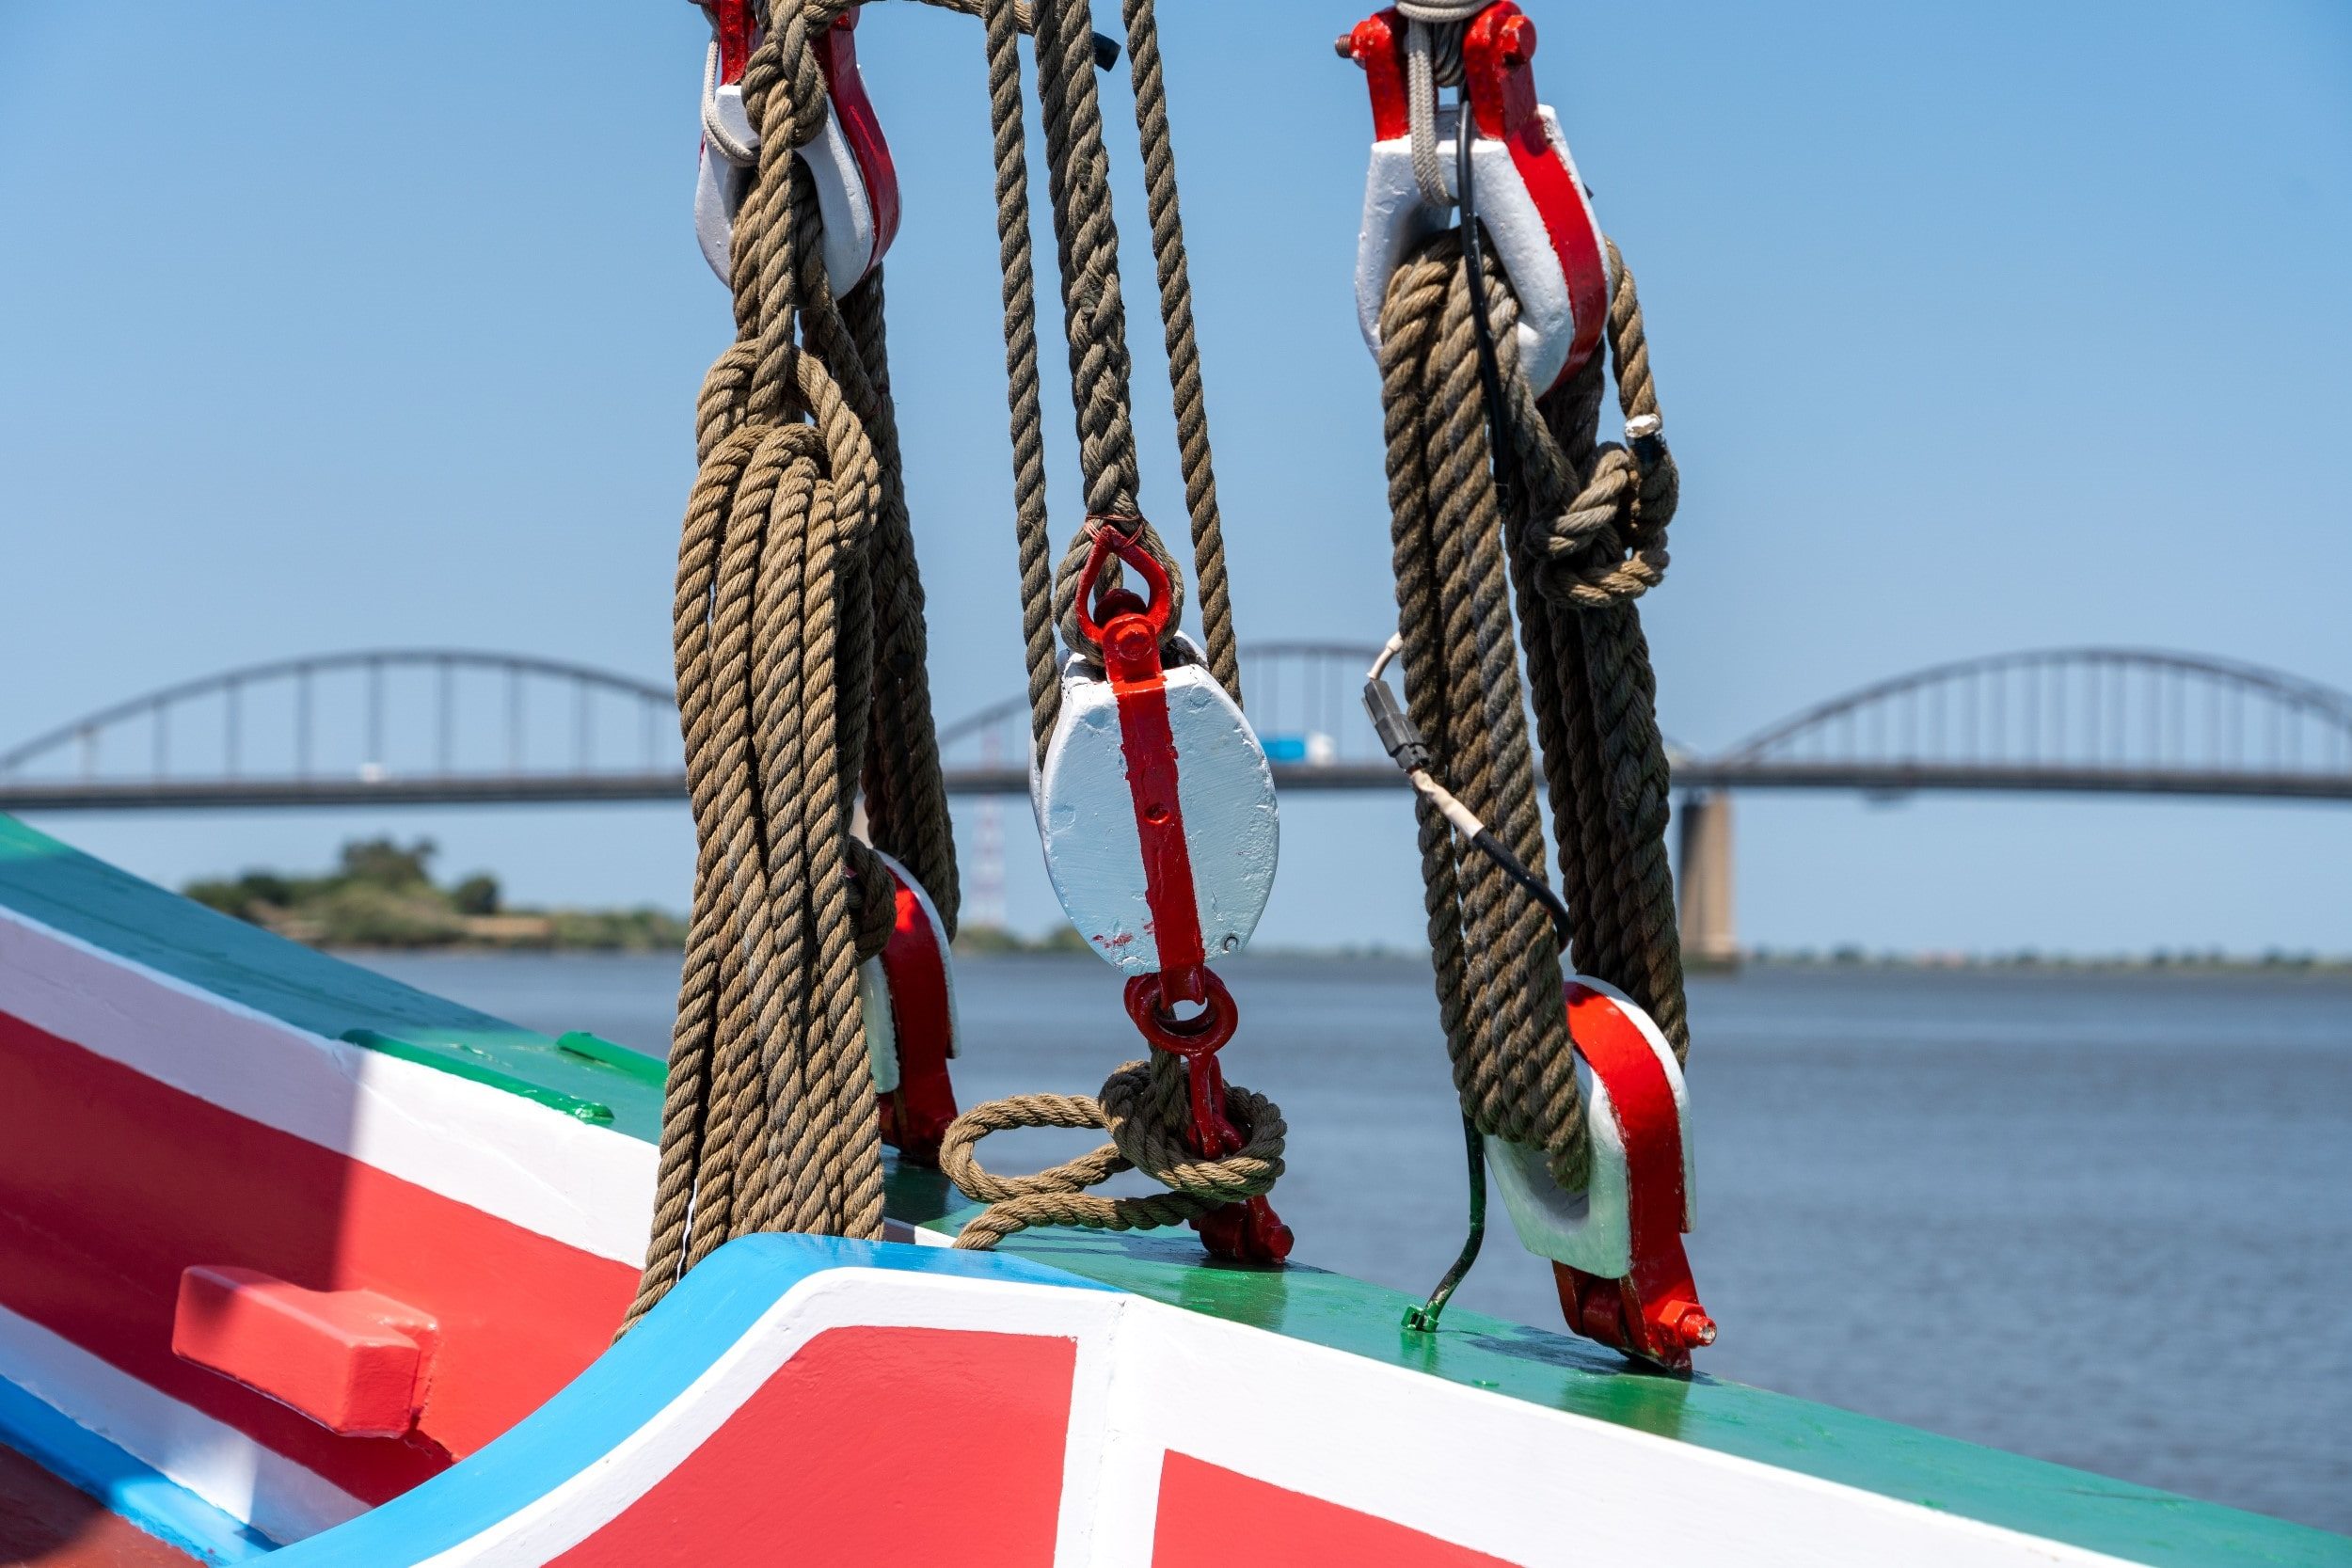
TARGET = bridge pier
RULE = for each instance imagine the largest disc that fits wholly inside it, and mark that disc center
(1710, 938)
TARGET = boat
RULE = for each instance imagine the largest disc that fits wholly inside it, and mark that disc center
(298, 1263)
(305, 1264)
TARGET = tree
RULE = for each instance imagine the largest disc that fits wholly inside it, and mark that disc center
(477, 895)
(381, 863)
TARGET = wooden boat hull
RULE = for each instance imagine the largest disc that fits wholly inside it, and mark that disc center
(364, 1178)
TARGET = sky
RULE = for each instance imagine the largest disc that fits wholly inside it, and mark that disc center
(1978, 328)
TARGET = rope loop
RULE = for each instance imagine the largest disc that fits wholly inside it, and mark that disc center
(1141, 1106)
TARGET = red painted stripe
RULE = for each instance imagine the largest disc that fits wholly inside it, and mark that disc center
(1211, 1517)
(1649, 1120)
(1575, 240)
(1149, 747)
(111, 1183)
(828, 1461)
(861, 127)
(1496, 52)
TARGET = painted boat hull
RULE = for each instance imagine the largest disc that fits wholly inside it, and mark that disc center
(183, 1092)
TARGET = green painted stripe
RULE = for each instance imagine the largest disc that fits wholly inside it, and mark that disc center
(644, 1068)
(473, 1062)
(85, 899)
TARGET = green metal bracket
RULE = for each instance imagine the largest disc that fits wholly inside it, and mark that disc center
(1423, 1318)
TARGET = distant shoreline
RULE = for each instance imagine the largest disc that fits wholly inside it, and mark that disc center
(989, 943)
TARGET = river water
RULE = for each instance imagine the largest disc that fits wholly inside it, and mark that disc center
(2101, 1218)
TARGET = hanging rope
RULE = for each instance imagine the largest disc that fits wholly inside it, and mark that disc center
(1497, 969)
(1143, 1105)
(799, 663)
(1591, 539)
(1584, 537)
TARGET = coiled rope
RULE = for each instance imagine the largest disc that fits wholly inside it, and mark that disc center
(1584, 538)
(801, 674)
(1143, 1105)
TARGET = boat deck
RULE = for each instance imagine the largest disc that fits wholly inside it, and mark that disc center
(46, 1522)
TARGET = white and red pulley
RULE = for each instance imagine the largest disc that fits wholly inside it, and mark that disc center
(1532, 202)
(856, 182)
(1086, 792)
(907, 993)
(1616, 1247)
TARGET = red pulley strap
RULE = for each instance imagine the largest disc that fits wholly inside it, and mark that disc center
(1654, 1311)
(916, 1114)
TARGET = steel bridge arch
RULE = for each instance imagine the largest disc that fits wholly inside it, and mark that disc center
(1317, 660)
(226, 682)
(2225, 680)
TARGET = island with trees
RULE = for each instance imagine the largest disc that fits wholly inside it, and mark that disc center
(381, 893)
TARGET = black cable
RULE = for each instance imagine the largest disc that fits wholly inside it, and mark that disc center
(1505, 450)
(1402, 739)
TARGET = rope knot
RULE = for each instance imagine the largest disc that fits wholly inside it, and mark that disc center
(1141, 1106)
(1608, 544)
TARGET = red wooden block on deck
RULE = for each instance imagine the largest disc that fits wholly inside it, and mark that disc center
(354, 1361)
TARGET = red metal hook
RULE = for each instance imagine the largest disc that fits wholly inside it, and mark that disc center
(1109, 541)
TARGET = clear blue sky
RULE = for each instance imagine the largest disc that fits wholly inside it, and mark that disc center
(1980, 326)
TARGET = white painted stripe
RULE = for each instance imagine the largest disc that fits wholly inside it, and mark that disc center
(1502, 1475)
(1496, 1475)
(526, 1163)
(250, 1483)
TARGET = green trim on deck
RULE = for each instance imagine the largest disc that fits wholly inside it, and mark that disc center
(85, 899)
(1555, 1371)
(579, 1073)
(473, 1062)
(647, 1070)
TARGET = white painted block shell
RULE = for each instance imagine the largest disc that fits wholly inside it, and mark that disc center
(1591, 1230)
(841, 194)
(1086, 816)
(1396, 219)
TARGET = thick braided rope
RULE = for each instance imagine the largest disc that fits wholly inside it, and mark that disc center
(1094, 311)
(1495, 964)
(798, 626)
(1592, 540)
(1183, 348)
(1588, 539)
(1134, 1109)
(1143, 1104)
(1032, 531)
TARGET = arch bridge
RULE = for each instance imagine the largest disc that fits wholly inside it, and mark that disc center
(448, 726)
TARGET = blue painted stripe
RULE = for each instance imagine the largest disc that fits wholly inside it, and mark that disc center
(626, 1387)
(132, 1490)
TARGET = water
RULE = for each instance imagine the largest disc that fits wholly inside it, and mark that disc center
(2101, 1219)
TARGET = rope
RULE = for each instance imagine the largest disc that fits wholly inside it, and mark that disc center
(798, 625)
(1143, 1105)
(1590, 539)
(1184, 350)
(1586, 538)
(1142, 1109)
(1433, 58)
